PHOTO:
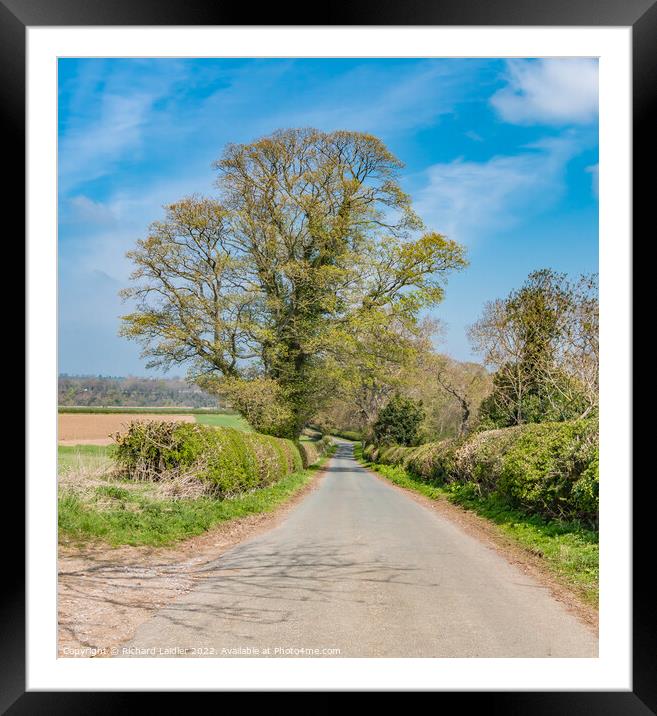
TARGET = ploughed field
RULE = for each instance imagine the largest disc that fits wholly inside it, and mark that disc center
(96, 428)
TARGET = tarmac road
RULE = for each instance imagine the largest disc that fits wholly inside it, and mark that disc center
(359, 569)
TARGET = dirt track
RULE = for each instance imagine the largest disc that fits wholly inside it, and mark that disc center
(96, 428)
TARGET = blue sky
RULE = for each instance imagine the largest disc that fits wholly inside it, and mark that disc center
(500, 155)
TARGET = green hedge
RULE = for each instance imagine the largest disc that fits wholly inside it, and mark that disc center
(311, 452)
(230, 461)
(550, 469)
(353, 435)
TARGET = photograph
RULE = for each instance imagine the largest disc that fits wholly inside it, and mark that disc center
(329, 353)
(328, 357)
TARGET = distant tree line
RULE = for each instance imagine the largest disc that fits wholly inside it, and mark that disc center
(97, 391)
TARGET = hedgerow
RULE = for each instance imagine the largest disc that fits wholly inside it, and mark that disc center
(228, 461)
(311, 452)
(549, 469)
(353, 435)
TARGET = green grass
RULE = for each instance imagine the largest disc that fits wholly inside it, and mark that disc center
(224, 420)
(89, 456)
(119, 516)
(352, 435)
(569, 550)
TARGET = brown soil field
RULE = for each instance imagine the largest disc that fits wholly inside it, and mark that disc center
(96, 428)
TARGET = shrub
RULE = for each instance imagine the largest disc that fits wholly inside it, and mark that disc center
(560, 400)
(311, 452)
(552, 469)
(393, 454)
(229, 461)
(549, 469)
(399, 422)
(262, 403)
(479, 458)
(353, 435)
(371, 453)
(434, 462)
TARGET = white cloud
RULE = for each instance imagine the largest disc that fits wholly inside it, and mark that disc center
(106, 230)
(474, 136)
(110, 111)
(371, 99)
(469, 201)
(549, 91)
(92, 150)
(85, 209)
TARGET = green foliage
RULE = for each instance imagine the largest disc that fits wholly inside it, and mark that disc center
(540, 401)
(230, 461)
(433, 461)
(262, 403)
(552, 469)
(543, 342)
(310, 240)
(392, 454)
(312, 450)
(399, 422)
(369, 451)
(352, 435)
(547, 469)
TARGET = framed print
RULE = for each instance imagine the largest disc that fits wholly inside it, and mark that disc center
(338, 316)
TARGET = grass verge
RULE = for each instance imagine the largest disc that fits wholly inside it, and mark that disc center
(119, 516)
(82, 456)
(568, 550)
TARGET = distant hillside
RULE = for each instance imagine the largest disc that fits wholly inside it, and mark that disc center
(105, 391)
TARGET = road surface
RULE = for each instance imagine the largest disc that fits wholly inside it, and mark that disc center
(359, 569)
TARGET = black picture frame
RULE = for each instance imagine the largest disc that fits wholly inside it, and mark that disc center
(17, 15)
